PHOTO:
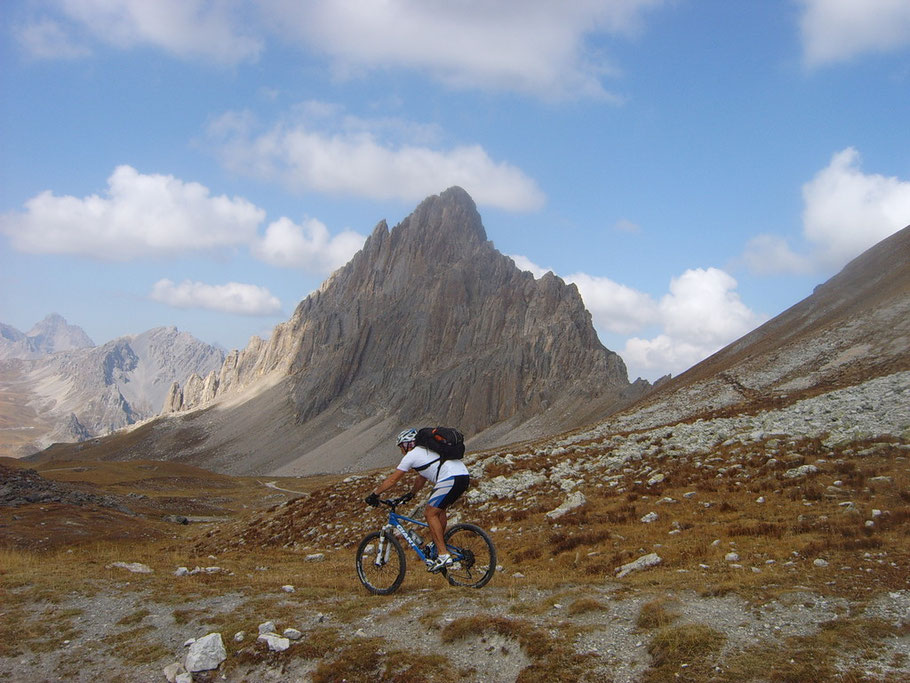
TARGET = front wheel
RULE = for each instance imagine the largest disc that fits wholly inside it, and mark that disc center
(380, 563)
(476, 556)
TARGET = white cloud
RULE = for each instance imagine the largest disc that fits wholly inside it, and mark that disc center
(845, 211)
(613, 306)
(307, 246)
(357, 161)
(217, 31)
(701, 314)
(837, 30)
(233, 297)
(141, 215)
(47, 39)
(529, 46)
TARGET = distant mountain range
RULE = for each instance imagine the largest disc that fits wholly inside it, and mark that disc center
(57, 385)
(51, 335)
(428, 324)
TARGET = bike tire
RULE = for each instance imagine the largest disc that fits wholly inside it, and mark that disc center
(386, 577)
(480, 565)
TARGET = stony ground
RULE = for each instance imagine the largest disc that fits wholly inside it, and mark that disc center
(782, 538)
(601, 630)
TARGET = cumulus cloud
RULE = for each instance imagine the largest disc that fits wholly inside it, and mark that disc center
(233, 297)
(217, 31)
(845, 211)
(308, 246)
(838, 30)
(699, 315)
(140, 215)
(365, 162)
(536, 47)
(530, 46)
(613, 306)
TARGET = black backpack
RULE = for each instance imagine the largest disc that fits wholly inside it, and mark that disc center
(448, 442)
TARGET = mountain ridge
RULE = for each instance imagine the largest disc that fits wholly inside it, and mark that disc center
(427, 322)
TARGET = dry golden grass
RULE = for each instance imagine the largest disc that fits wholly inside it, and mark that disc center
(552, 659)
(715, 510)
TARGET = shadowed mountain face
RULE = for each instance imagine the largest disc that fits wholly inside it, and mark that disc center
(428, 323)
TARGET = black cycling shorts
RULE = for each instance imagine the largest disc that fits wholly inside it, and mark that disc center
(448, 491)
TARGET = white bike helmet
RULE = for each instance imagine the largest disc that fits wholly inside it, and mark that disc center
(406, 436)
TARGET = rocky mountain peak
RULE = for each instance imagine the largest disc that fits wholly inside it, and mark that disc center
(428, 322)
(54, 334)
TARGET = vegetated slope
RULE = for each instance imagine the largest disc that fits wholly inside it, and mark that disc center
(427, 323)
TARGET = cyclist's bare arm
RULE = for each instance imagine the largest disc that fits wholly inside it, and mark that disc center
(389, 482)
(419, 483)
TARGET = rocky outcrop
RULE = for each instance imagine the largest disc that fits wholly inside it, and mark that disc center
(429, 322)
(24, 486)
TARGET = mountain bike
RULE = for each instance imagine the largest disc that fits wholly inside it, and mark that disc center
(381, 560)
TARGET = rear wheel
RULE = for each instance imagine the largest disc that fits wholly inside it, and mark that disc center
(477, 556)
(380, 563)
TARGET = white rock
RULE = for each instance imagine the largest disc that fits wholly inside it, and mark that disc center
(171, 671)
(732, 557)
(275, 642)
(642, 562)
(292, 634)
(206, 654)
(819, 562)
(135, 567)
(184, 678)
(239, 636)
(760, 499)
(801, 471)
(181, 571)
(288, 588)
(650, 517)
(575, 500)
(315, 557)
(656, 479)
(267, 627)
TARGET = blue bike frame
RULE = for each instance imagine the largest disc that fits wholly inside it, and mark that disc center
(395, 523)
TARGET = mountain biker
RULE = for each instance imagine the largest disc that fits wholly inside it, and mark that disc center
(450, 479)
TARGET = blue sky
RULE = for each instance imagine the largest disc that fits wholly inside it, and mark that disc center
(694, 166)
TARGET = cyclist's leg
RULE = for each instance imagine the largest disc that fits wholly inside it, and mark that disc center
(444, 494)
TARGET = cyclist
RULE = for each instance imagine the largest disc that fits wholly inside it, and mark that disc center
(450, 479)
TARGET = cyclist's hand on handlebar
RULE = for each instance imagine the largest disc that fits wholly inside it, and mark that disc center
(406, 497)
(372, 500)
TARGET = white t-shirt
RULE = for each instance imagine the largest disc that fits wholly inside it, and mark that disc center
(419, 457)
